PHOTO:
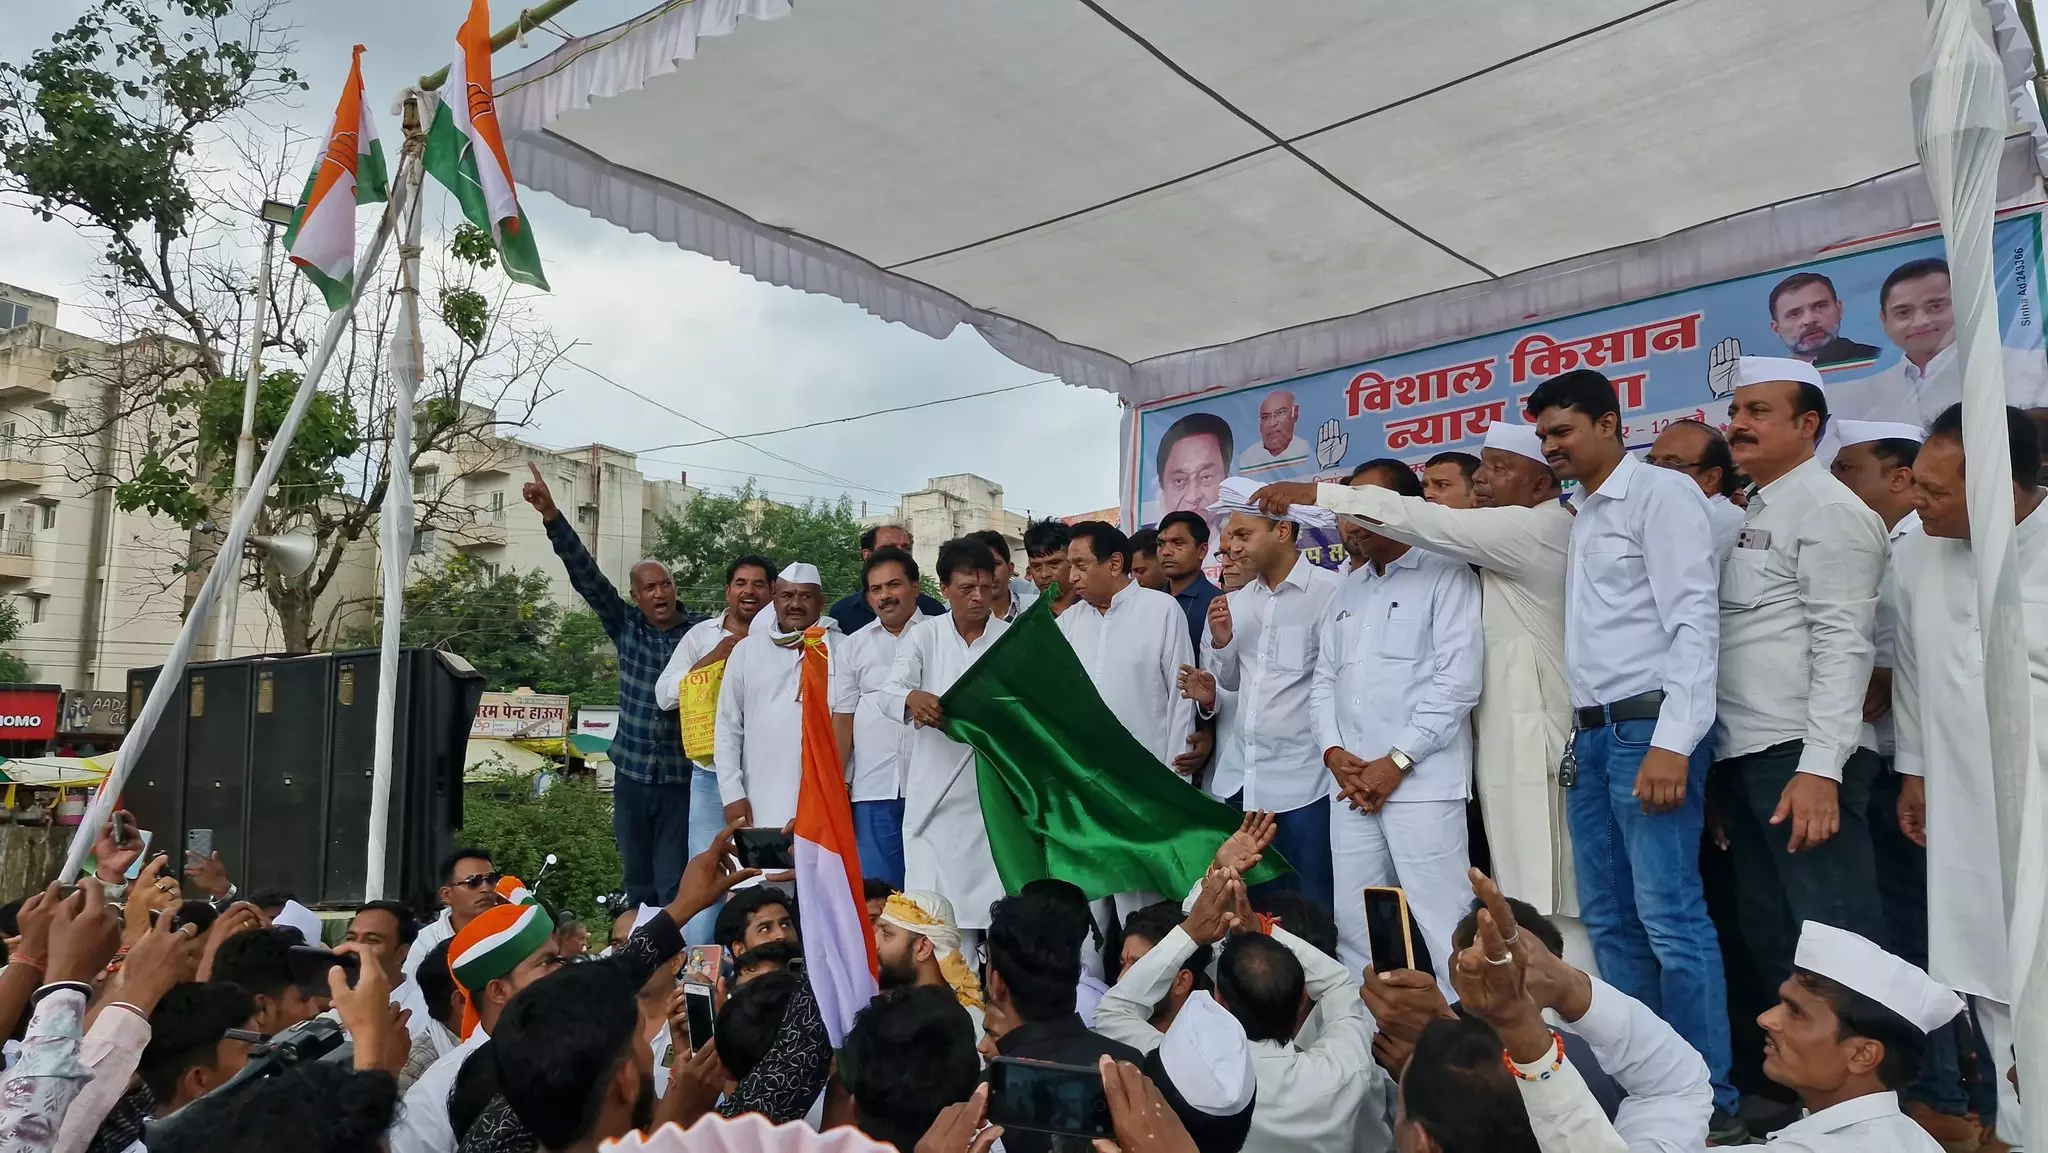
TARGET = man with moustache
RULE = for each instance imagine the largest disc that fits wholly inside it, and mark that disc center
(1011, 594)
(1517, 535)
(945, 843)
(852, 611)
(874, 744)
(1045, 544)
(1948, 802)
(1192, 459)
(759, 740)
(917, 942)
(651, 788)
(1798, 599)
(1398, 664)
(749, 585)
(1642, 644)
(1807, 315)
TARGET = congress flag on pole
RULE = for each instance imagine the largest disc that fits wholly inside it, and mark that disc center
(321, 239)
(466, 151)
(839, 944)
(1066, 790)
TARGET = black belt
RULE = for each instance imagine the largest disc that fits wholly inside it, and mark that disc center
(1641, 707)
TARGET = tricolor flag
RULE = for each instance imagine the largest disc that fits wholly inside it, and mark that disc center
(322, 236)
(515, 891)
(836, 932)
(466, 152)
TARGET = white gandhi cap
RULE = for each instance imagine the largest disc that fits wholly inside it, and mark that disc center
(1866, 431)
(1206, 1056)
(1520, 439)
(801, 574)
(1855, 963)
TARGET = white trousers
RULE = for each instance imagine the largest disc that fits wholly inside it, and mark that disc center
(1995, 1018)
(1417, 845)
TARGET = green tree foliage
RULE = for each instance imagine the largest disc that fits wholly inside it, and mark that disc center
(510, 627)
(571, 820)
(13, 670)
(715, 528)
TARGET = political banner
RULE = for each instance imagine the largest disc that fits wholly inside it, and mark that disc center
(1876, 319)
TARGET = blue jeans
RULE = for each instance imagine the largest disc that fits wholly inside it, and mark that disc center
(652, 826)
(878, 835)
(707, 820)
(1640, 894)
(1303, 836)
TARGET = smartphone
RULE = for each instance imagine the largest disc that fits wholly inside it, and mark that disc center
(199, 841)
(1047, 1098)
(142, 858)
(1391, 932)
(765, 849)
(703, 1022)
(701, 964)
(311, 962)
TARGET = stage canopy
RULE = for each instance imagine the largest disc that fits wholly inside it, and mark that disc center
(1159, 197)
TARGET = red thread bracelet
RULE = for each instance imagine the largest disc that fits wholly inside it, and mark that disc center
(1556, 1061)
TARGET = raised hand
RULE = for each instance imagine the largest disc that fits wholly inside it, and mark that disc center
(709, 876)
(1273, 499)
(1722, 362)
(1243, 848)
(959, 1127)
(1492, 983)
(1219, 622)
(1331, 441)
(1198, 685)
(535, 492)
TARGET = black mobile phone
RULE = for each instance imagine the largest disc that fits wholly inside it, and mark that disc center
(1391, 932)
(703, 1022)
(1048, 1098)
(764, 849)
(311, 962)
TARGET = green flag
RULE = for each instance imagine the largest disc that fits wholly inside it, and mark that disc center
(1066, 790)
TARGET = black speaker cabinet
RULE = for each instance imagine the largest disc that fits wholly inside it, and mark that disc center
(275, 755)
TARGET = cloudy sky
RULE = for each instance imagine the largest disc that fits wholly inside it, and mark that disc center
(703, 338)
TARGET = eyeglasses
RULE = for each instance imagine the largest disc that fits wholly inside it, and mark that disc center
(1673, 462)
(479, 881)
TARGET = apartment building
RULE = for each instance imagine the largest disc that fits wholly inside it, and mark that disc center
(947, 507)
(471, 502)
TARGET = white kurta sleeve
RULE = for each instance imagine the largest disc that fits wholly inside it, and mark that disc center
(906, 676)
(1457, 667)
(1322, 686)
(1565, 1115)
(729, 736)
(1178, 652)
(1125, 1013)
(1506, 540)
(1679, 556)
(1909, 754)
(1669, 1098)
(1841, 561)
(843, 689)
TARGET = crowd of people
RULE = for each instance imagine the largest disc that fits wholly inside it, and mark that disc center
(1663, 787)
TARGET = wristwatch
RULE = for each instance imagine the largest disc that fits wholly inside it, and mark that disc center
(1402, 761)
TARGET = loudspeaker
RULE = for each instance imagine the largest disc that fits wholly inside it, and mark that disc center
(275, 753)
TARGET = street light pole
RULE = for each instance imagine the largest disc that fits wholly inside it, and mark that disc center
(275, 213)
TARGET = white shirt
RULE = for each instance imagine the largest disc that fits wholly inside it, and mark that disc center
(423, 1125)
(1271, 663)
(945, 843)
(758, 744)
(1640, 606)
(701, 639)
(440, 929)
(1871, 1124)
(1327, 1096)
(1133, 654)
(1879, 736)
(1669, 1099)
(1914, 396)
(881, 741)
(1399, 665)
(1726, 518)
(1798, 614)
(1227, 769)
(1257, 457)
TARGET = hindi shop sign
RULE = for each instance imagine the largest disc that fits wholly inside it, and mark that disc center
(1871, 354)
(520, 717)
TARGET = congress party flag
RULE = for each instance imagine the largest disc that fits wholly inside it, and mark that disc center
(321, 239)
(1066, 790)
(466, 151)
(839, 943)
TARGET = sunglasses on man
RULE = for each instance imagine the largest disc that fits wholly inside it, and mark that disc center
(477, 881)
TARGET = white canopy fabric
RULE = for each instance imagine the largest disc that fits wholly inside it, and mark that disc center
(1159, 197)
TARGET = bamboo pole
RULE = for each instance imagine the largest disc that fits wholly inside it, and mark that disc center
(529, 19)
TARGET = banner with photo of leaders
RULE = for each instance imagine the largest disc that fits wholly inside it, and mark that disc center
(1878, 321)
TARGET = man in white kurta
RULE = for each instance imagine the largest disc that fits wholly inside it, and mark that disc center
(874, 743)
(1132, 640)
(1517, 537)
(1948, 799)
(759, 741)
(945, 843)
